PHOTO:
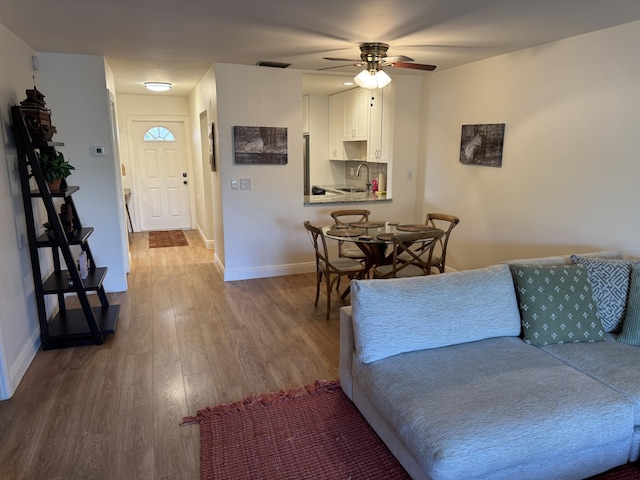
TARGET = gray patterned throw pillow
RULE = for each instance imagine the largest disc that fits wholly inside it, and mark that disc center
(557, 305)
(610, 283)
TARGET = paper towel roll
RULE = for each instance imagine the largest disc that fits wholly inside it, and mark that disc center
(382, 182)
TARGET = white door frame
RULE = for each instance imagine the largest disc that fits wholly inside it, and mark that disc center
(131, 119)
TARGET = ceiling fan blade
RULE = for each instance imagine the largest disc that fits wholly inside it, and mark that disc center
(415, 66)
(333, 59)
(340, 66)
(397, 58)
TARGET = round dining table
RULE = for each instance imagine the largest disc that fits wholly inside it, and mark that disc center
(373, 237)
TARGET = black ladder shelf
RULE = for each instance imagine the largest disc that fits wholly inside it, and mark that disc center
(70, 326)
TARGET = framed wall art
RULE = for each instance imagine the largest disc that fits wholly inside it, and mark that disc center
(482, 144)
(260, 145)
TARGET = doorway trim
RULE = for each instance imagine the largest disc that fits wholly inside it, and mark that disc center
(132, 146)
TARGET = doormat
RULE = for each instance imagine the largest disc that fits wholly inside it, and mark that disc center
(167, 238)
(309, 432)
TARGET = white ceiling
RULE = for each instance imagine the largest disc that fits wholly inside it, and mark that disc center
(178, 40)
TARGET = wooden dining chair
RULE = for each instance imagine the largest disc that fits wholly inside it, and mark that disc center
(332, 269)
(446, 223)
(416, 248)
(344, 217)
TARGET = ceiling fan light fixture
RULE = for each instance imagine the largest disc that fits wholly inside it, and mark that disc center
(157, 86)
(371, 79)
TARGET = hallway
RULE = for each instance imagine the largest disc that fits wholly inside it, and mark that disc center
(185, 340)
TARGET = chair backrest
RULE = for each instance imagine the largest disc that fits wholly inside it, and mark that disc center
(447, 223)
(416, 248)
(319, 243)
(348, 216)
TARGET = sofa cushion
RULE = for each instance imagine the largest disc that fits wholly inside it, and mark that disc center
(556, 304)
(612, 363)
(631, 324)
(610, 283)
(393, 316)
(485, 409)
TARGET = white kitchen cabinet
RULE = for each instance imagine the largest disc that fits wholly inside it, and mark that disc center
(356, 115)
(379, 140)
(336, 122)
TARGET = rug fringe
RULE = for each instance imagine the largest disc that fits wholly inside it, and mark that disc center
(316, 388)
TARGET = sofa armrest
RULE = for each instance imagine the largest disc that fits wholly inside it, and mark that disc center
(347, 350)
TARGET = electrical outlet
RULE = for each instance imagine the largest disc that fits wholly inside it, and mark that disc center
(234, 184)
(245, 184)
(351, 171)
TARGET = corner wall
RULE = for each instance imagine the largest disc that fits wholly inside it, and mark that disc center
(76, 91)
(568, 181)
(19, 329)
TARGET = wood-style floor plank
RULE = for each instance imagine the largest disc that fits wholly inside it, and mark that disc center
(185, 339)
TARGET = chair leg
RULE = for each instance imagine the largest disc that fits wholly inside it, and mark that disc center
(318, 281)
(328, 295)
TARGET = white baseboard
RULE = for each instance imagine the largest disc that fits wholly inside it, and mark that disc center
(19, 368)
(268, 271)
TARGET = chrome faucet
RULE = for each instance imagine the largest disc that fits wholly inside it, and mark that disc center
(358, 174)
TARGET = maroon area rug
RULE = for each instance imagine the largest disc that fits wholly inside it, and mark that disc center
(311, 432)
(306, 433)
(167, 238)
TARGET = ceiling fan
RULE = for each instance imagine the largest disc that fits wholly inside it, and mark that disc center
(373, 55)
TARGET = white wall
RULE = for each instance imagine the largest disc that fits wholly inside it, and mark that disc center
(568, 181)
(76, 92)
(203, 100)
(19, 329)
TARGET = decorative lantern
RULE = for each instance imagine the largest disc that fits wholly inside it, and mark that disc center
(36, 116)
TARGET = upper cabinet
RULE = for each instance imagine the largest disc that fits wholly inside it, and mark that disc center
(360, 125)
(356, 115)
(336, 127)
(379, 139)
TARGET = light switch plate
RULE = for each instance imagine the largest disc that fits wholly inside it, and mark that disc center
(245, 184)
(234, 184)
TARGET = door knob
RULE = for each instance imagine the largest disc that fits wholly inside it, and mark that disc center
(185, 182)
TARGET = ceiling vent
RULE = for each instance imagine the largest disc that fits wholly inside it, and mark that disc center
(264, 63)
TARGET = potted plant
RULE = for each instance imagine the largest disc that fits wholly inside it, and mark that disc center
(54, 168)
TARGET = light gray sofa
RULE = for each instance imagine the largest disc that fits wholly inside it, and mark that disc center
(438, 367)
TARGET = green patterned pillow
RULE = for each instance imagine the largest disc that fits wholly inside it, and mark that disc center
(556, 305)
(631, 325)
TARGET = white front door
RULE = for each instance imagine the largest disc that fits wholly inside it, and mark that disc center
(161, 174)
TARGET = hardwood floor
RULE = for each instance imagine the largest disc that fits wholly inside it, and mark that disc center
(185, 340)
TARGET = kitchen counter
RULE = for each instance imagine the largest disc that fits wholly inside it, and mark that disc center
(335, 194)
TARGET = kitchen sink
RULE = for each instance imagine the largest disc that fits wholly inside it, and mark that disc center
(352, 190)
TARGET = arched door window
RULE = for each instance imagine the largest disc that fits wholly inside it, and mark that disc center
(159, 134)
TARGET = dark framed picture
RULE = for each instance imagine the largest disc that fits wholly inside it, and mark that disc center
(482, 144)
(212, 147)
(260, 145)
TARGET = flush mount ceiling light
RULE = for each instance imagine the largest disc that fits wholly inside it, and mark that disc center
(157, 86)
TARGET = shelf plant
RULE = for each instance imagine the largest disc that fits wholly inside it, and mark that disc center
(54, 168)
